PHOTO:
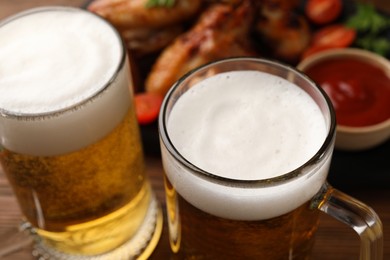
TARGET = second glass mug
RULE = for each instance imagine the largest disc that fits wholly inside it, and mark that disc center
(197, 200)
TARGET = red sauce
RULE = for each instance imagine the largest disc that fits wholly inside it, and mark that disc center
(359, 91)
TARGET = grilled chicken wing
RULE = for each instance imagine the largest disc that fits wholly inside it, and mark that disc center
(221, 31)
(146, 30)
(286, 33)
(135, 13)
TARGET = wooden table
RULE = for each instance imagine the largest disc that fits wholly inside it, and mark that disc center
(334, 239)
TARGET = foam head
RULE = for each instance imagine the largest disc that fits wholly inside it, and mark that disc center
(246, 125)
(55, 62)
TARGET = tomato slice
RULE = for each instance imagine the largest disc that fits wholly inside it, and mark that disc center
(338, 36)
(330, 37)
(147, 107)
(323, 11)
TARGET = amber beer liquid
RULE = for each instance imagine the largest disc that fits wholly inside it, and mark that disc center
(70, 145)
(239, 174)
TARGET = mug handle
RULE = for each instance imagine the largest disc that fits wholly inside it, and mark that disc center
(355, 214)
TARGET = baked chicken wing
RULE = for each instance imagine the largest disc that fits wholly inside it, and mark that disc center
(223, 30)
(286, 33)
(136, 13)
(146, 29)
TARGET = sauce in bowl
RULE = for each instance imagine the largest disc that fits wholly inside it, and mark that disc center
(358, 89)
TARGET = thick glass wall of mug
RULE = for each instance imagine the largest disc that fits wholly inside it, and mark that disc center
(246, 147)
(70, 142)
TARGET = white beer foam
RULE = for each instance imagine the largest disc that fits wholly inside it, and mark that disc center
(52, 61)
(246, 125)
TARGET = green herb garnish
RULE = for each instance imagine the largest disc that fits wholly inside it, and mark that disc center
(160, 3)
(379, 45)
(370, 26)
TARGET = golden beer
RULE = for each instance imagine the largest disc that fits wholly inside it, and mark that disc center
(89, 201)
(73, 152)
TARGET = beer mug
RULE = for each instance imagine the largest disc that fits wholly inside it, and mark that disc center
(70, 143)
(246, 147)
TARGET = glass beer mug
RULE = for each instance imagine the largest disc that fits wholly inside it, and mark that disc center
(70, 141)
(246, 148)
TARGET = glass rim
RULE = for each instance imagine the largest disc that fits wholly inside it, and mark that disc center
(266, 182)
(55, 113)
